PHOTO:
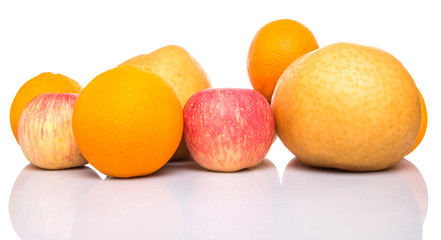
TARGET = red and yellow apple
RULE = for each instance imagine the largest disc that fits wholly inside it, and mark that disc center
(228, 129)
(45, 132)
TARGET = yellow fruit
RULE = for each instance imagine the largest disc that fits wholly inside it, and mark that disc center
(44, 83)
(274, 47)
(177, 66)
(423, 125)
(347, 106)
(127, 122)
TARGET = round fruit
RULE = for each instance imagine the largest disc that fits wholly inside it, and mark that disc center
(423, 125)
(44, 83)
(347, 106)
(228, 129)
(274, 47)
(127, 122)
(181, 70)
(45, 132)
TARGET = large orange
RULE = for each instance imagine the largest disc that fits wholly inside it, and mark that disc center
(44, 83)
(274, 47)
(127, 122)
(347, 106)
(423, 125)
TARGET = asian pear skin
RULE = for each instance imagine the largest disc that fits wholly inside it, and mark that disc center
(45, 132)
(347, 106)
(228, 129)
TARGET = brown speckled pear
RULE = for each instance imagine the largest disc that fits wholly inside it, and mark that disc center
(347, 106)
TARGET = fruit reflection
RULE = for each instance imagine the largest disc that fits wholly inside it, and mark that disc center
(138, 208)
(43, 204)
(332, 204)
(236, 205)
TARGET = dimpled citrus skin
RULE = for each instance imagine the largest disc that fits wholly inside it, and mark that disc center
(347, 106)
(274, 47)
(43, 83)
(180, 69)
(127, 122)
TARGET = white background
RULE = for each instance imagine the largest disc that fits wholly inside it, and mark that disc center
(81, 39)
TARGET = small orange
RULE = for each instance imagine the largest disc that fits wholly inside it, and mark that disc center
(44, 83)
(274, 47)
(128, 122)
(423, 125)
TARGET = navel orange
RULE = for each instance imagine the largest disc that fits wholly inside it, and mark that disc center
(44, 83)
(128, 122)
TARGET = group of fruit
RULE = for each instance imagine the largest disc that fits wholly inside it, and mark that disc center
(342, 106)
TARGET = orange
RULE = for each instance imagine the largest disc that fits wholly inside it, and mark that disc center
(423, 125)
(127, 122)
(44, 83)
(274, 47)
(181, 70)
(347, 106)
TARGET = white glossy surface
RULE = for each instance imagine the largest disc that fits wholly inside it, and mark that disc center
(183, 201)
(82, 38)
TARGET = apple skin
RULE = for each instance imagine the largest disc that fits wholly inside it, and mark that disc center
(45, 132)
(228, 129)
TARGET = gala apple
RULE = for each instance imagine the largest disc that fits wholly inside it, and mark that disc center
(228, 129)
